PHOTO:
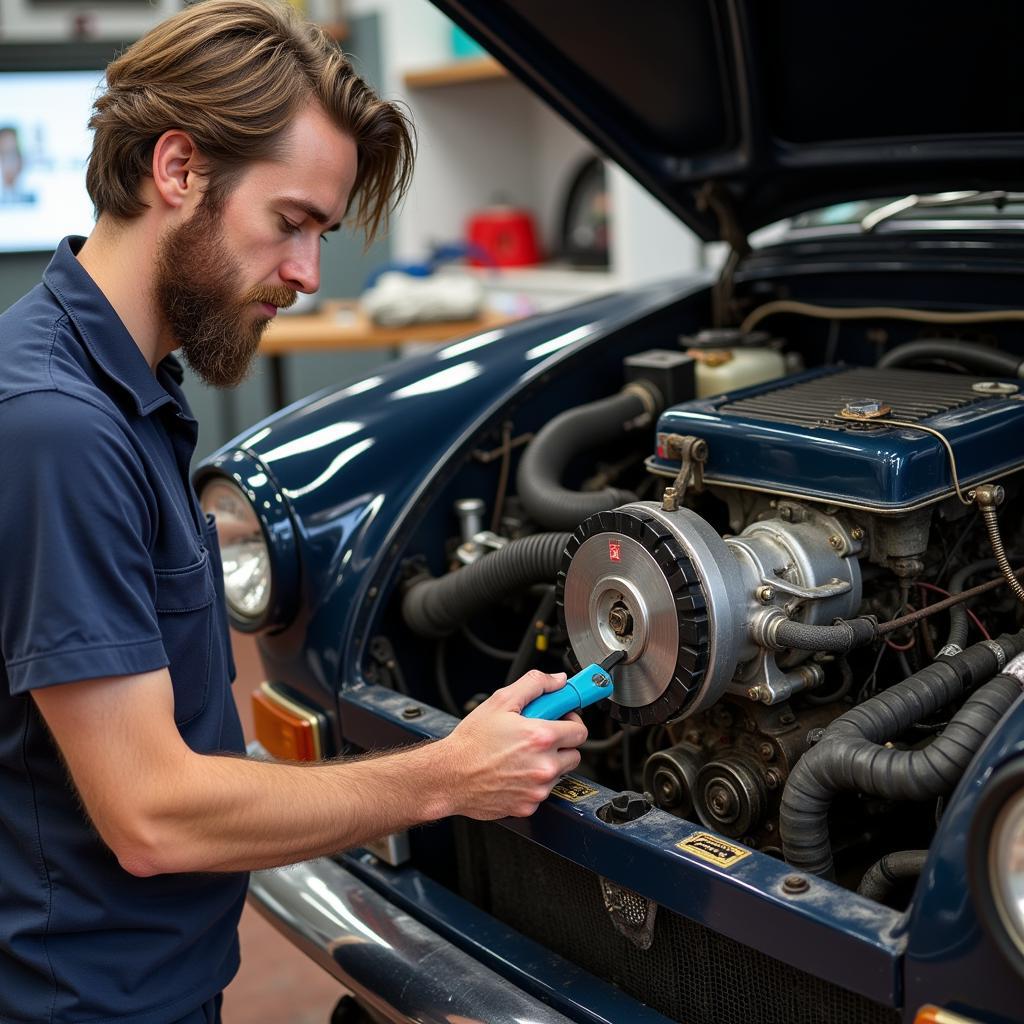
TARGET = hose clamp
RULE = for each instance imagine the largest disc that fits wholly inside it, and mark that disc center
(1015, 670)
(650, 397)
(997, 650)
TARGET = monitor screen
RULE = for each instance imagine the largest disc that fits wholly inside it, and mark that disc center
(44, 146)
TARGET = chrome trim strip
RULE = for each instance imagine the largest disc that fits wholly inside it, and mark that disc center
(387, 959)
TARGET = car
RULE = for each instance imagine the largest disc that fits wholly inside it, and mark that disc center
(766, 492)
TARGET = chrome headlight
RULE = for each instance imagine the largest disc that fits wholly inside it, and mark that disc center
(257, 545)
(243, 550)
(997, 859)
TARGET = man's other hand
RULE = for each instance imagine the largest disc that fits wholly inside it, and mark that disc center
(503, 764)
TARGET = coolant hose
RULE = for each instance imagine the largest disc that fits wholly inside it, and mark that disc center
(958, 613)
(880, 880)
(851, 754)
(435, 607)
(840, 638)
(975, 357)
(585, 428)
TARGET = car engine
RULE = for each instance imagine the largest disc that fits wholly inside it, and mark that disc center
(786, 569)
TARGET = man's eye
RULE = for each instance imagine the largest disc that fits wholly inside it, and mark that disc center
(288, 227)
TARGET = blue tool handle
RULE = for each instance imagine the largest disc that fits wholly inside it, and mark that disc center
(587, 687)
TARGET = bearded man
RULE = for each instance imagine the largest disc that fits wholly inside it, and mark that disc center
(227, 141)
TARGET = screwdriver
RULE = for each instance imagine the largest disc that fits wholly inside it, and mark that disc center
(587, 687)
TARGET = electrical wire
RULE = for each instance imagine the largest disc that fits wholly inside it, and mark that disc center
(974, 618)
(485, 648)
(877, 312)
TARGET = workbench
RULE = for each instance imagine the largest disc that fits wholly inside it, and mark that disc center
(340, 326)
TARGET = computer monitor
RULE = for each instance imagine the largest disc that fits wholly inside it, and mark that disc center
(44, 147)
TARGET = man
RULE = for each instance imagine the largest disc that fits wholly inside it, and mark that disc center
(227, 142)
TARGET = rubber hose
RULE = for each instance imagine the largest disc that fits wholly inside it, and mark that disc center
(437, 607)
(880, 880)
(984, 360)
(839, 638)
(850, 755)
(585, 428)
(958, 613)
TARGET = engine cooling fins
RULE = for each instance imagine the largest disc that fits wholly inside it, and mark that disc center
(626, 583)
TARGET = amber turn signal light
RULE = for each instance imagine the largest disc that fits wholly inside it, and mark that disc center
(936, 1015)
(286, 729)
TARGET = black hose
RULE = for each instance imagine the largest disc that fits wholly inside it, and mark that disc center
(840, 638)
(528, 644)
(851, 755)
(958, 613)
(585, 428)
(881, 879)
(438, 607)
(974, 357)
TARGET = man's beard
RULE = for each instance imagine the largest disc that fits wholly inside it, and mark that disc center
(197, 295)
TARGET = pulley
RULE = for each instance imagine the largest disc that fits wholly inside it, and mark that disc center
(648, 582)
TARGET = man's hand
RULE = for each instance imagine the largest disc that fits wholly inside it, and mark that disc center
(504, 764)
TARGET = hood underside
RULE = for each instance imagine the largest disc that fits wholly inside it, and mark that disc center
(737, 114)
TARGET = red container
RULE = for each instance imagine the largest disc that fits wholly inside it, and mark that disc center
(506, 235)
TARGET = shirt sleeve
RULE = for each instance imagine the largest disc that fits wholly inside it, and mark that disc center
(77, 589)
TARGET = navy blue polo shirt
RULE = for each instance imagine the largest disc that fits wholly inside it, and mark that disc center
(108, 568)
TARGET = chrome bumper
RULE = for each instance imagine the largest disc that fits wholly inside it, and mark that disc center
(384, 957)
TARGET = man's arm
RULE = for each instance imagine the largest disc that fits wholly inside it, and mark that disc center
(162, 808)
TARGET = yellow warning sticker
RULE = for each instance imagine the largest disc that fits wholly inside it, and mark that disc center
(712, 849)
(572, 789)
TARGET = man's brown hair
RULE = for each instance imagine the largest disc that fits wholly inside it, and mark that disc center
(233, 74)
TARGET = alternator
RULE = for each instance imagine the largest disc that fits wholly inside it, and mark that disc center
(684, 604)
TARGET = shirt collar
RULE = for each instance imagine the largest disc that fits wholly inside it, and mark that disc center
(101, 329)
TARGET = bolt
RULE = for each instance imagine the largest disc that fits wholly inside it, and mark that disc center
(772, 779)
(372, 592)
(786, 514)
(787, 717)
(412, 711)
(857, 533)
(767, 751)
(795, 884)
(765, 594)
(836, 542)
(755, 692)
(620, 620)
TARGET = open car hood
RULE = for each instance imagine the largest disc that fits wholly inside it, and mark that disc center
(737, 113)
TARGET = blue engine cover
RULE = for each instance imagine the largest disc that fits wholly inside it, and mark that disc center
(787, 437)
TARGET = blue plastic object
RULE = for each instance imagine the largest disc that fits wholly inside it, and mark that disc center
(587, 687)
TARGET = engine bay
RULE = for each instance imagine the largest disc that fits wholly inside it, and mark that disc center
(808, 571)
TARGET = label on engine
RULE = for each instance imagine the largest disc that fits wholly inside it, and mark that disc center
(713, 849)
(572, 789)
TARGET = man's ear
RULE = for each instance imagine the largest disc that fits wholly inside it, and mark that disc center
(176, 162)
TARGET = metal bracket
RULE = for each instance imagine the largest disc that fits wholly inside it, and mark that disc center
(830, 588)
(692, 453)
(482, 542)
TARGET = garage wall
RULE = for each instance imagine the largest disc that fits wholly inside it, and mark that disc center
(345, 263)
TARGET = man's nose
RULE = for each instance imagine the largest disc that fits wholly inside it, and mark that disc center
(301, 270)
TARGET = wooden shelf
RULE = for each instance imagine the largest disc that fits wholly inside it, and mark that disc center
(458, 72)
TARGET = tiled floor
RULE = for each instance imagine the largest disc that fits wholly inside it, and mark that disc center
(276, 984)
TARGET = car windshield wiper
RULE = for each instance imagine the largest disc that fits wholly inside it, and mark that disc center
(972, 197)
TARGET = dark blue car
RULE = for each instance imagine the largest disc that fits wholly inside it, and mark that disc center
(787, 500)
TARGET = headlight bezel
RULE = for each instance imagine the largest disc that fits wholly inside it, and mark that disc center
(246, 473)
(1003, 794)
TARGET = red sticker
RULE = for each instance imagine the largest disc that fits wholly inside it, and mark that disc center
(615, 550)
